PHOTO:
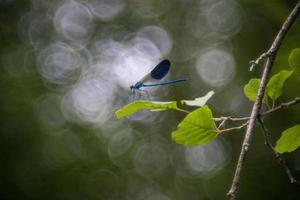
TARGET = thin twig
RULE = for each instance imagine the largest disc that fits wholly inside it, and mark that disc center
(280, 160)
(234, 128)
(222, 124)
(258, 102)
(223, 120)
(282, 105)
(257, 61)
(233, 119)
(277, 108)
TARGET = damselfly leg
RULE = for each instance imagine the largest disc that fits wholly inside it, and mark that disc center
(138, 94)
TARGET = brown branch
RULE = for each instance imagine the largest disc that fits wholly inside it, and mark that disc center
(258, 102)
(280, 160)
(277, 108)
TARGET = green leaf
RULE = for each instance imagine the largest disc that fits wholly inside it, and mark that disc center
(289, 140)
(200, 101)
(294, 59)
(276, 83)
(251, 90)
(133, 107)
(198, 127)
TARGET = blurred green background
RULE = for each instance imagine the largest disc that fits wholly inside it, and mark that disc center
(66, 67)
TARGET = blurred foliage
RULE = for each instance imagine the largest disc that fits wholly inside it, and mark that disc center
(46, 153)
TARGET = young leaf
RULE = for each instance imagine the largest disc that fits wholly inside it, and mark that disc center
(251, 90)
(294, 59)
(198, 127)
(289, 140)
(276, 83)
(200, 101)
(133, 107)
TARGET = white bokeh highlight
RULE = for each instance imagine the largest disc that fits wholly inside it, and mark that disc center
(150, 159)
(224, 17)
(59, 62)
(74, 21)
(216, 67)
(207, 158)
(90, 101)
(105, 9)
(159, 37)
(202, 161)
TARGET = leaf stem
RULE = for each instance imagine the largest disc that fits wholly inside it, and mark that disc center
(273, 103)
(182, 110)
(222, 123)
